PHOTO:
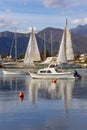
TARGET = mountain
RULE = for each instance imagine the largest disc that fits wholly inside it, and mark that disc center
(80, 29)
(79, 42)
(6, 38)
(54, 34)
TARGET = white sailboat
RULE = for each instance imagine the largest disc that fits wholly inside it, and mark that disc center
(66, 50)
(32, 53)
(10, 66)
(13, 64)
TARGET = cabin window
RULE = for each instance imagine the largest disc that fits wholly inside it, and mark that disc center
(42, 71)
(48, 71)
(58, 70)
(57, 66)
(52, 66)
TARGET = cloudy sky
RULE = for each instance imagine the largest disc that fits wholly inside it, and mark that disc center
(23, 14)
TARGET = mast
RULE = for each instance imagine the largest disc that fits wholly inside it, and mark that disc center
(51, 40)
(44, 46)
(15, 40)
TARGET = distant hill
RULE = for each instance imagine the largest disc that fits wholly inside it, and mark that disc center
(79, 41)
(80, 29)
(6, 38)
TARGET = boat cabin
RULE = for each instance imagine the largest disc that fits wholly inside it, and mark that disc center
(49, 71)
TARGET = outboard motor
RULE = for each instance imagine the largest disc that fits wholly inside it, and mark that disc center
(76, 74)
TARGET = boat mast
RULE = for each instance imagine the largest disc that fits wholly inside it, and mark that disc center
(51, 40)
(15, 40)
(44, 47)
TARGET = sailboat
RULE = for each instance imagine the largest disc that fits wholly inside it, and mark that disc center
(32, 54)
(66, 49)
(66, 53)
(13, 64)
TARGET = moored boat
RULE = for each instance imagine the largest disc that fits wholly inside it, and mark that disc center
(13, 64)
(53, 73)
(13, 72)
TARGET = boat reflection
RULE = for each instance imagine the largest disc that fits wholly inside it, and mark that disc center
(66, 93)
(21, 98)
(48, 90)
(12, 82)
(36, 90)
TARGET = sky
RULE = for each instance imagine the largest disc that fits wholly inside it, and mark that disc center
(23, 14)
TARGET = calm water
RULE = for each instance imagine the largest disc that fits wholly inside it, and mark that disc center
(46, 105)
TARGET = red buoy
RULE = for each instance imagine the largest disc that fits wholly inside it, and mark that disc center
(21, 98)
(54, 81)
(21, 94)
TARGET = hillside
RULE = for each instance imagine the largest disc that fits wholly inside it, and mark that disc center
(80, 29)
(79, 41)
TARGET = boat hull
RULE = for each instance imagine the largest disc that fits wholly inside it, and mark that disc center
(13, 72)
(55, 76)
(13, 65)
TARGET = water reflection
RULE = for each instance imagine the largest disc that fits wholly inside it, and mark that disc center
(11, 82)
(37, 89)
(45, 105)
(21, 98)
(47, 90)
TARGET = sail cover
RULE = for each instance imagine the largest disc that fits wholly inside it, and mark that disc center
(32, 53)
(65, 50)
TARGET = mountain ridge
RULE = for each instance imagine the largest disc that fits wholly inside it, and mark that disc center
(78, 41)
(80, 29)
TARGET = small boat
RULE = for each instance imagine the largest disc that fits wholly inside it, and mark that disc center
(14, 72)
(53, 73)
(13, 64)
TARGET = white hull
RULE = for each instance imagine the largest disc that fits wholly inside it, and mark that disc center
(62, 75)
(13, 65)
(13, 72)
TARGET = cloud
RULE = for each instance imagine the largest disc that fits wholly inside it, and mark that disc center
(24, 20)
(21, 2)
(55, 3)
(3, 22)
(79, 21)
(85, 20)
(64, 3)
(7, 22)
(76, 21)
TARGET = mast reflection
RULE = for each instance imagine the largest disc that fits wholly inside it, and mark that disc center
(47, 90)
